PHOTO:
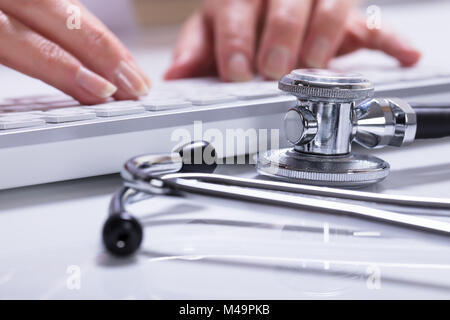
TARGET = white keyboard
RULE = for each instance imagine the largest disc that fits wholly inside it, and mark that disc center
(52, 138)
(45, 111)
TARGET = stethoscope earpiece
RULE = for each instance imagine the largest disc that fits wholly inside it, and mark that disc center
(122, 234)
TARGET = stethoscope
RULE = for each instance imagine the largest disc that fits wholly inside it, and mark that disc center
(333, 110)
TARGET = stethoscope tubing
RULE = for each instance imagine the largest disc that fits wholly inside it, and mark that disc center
(256, 191)
(401, 200)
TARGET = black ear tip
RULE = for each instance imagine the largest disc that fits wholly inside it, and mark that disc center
(122, 234)
(198, 156)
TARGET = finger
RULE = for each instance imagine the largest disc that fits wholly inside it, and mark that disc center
(144, 76)
(234, 24)
(282, 35)
(327, 30)
(359, 36)
(28, 52)
(194, 53)
(93, 44)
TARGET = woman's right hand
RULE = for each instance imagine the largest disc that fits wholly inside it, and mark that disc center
(238, 38)
(88, 63)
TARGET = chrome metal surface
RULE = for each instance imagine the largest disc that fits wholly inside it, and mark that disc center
(143, 168)
(330, 97)
(342, 170)
(151, 172)
(401, 200)
(383, 122)
(341, 105)
(260, 196)
(335, 128)
(325, 85)
(300, 126)
(406, 124)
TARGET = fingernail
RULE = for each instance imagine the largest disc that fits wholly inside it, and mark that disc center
(239, 68)
(318, 53)
(130, 80)
(410, 58)
(95, 84)
(409, 55)
(277, 62)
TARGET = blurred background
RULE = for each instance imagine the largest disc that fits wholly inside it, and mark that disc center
(150, 28)
(167, 12)
(158, 12)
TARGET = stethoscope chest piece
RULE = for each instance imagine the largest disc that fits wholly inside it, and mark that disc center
(351, 170)
(333, 111)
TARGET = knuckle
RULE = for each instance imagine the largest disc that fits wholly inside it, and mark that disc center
(231, 33)
(283, 22)
(333, 16)
(216, 8)
(235, 32)
(50, 51)
(236, 41)
(101, 40)
(99, 37)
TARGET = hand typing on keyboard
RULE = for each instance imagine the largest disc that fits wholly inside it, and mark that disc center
(233, 38)
(85, 60)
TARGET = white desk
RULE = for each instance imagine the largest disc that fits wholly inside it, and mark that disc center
(46, 229)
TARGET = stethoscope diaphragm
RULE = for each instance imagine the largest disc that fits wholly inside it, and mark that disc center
(349, 170)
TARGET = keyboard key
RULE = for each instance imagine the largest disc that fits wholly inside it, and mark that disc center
(69, 109)
(115, 110)
(19, 109)
(60, 104)
(124, 103)
(41, 99)
(161, 95)
(7, 123)
(20, 114)
(160, 105)
(207, 99)
(61, 115)
(248, 94)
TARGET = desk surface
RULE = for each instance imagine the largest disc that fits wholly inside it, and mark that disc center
(197, 247)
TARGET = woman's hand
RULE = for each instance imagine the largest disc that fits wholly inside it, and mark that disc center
(237, 38)
(88, 63)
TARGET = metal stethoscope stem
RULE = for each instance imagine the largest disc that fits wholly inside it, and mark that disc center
(333, 111)
(400, 200)
(160, 174)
